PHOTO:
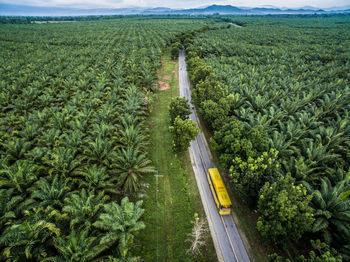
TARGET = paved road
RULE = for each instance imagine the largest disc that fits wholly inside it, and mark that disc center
(235, 25)
(228, 244)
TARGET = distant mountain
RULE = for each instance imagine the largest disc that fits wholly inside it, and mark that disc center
(221, 8)
(21, 10)
(156, 10)
(309, 7)
(335, 8)
(228, 9)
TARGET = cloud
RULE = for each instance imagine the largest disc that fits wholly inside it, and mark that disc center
(73, 3)
(173, 3)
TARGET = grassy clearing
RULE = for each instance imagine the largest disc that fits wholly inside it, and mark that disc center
(168, 222)
(246, 217)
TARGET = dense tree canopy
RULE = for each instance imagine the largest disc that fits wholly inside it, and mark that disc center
(73, 102)
(179, 106)
(284, 211)
(183, 131)
(281, 84)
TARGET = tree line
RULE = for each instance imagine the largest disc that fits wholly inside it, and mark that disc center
(275, 95)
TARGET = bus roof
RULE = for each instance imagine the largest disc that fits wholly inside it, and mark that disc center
(220, 188)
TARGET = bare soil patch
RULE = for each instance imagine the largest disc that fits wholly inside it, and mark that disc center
(163, 86)
(172, 62)
(176, 75)
(236, 25)
(167, 77)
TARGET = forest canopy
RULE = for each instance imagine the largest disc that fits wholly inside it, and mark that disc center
(275, 94)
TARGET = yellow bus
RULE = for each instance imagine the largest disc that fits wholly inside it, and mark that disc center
(219, 191)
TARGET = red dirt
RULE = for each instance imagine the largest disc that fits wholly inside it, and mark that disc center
(163, 86)
(175, 74)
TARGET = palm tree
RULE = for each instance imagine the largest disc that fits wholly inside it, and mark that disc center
(8, 204)
(282, 144)
(103, 130)
(19, 176)
(83, 207)
(73, 139)
(131, 164)
(81, 121)
(301, 169)
(60, 120)
(45, 100)
(30, 132)
(127, 120)
(5, 99)
(49, 138)
(15, 149)
(106, 114)
(80, 124)
(120, 222)
(319, 153)
(98, 151)
(63, 160)
(334, 138)
(28, 240)
(133, 102)
(332, 211)
(132, 136)
(96, 179)
(79, 246)
(148, 78)
(50, 193)
(133, 106)
(37, 154)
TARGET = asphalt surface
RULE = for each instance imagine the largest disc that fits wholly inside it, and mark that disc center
(227, 241)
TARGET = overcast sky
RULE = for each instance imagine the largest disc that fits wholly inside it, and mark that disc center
(176, 3)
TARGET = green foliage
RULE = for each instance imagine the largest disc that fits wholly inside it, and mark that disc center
(97, 179)
(72, 131)
(50, 193)
(209, 88)
(250, 175)
(28, 240)
(200, 72)
(132, 135)
(213, 113)
(183, 131)
(276, 258)
(233, 140)
(83, 208)
(301, 122)
(119, 222)
(320, 253)
(132, 164)
(179, 107)
(8, 204)
(78, 246)
(19, 176)
(332, 211)
(175, 49)
(291, 94)
(284, 211)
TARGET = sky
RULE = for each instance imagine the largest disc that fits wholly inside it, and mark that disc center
(176, 3)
